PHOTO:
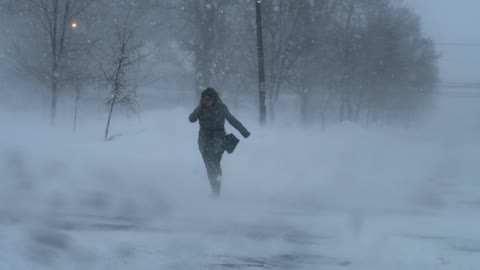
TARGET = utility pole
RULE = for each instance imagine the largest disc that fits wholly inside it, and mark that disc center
(261, 65)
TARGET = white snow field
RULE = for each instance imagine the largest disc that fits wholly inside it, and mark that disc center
(349, 197)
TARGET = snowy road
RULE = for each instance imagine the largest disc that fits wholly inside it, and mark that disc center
(382, 199)
(273, 241)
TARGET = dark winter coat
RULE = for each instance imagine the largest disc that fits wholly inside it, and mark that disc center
(212, 126)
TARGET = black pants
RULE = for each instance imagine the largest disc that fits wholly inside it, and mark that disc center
(214, 170)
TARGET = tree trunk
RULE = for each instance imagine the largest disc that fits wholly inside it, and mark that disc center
(303, 107)
(342, 110)
(77, 99)
(204, 42)
(271, 112)
(356, 116)
(109, 119)
(53, 101)
(274, 95)
(202, 76)
(349, 110)
(235, 95)
(323, 122)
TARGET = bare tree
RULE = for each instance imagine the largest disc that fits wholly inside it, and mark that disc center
(79, 80)
(283, 43)
(120, 75)
(202, 32)
(346, 60)
(56, 19)
(80, 73)
(369, 62)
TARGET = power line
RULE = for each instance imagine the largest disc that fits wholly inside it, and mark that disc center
(458, 96)
(458, 44)
(461, 83)
(457, 85)
(469, 86)
(451, 94)
(470, 90)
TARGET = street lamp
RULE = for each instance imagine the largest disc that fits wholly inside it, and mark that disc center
(74, 25)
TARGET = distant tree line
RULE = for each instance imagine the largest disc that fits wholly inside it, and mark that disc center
(346, 60)
(342, 60)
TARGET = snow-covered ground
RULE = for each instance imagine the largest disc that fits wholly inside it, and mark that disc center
(349, 197)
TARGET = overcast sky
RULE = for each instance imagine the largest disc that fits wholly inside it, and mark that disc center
(453, 21)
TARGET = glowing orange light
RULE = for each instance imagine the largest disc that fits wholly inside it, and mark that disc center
(74, 25)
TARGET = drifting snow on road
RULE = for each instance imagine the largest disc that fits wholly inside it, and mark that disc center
(384, 199)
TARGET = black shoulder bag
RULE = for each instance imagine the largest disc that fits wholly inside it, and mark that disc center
(230, 143)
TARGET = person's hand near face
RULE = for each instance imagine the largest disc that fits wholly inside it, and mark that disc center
(206, 102)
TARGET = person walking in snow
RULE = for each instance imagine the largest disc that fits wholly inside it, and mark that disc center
(211, 114)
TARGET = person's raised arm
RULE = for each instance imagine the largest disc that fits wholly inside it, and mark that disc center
(235, 123)
(194, 115)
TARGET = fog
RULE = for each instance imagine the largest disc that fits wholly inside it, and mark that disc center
(368, 158)
(451, 25)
